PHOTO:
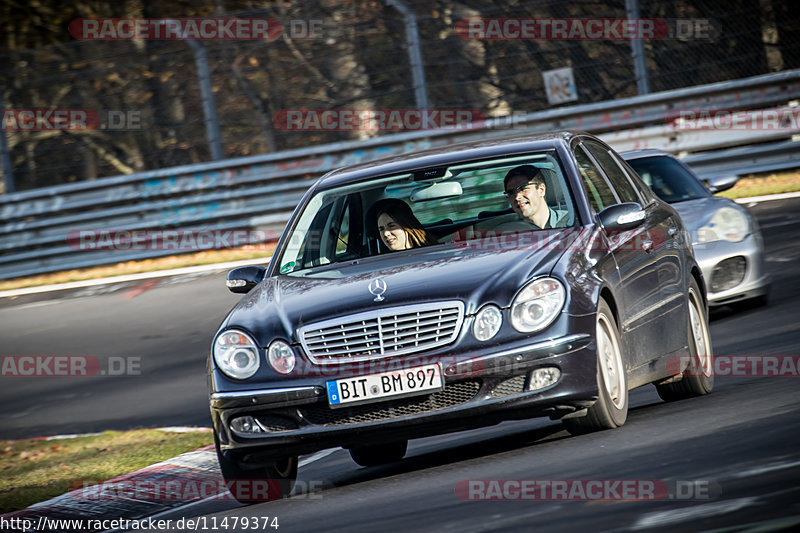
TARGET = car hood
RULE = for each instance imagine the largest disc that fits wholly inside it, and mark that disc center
(696, 213)
(281, 304)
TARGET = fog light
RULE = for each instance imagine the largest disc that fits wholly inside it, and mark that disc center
(543, 377)
(728, 273)
(245, 424)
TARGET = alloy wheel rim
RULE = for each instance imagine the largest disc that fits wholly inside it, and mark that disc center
(699, 334)
(610, 362)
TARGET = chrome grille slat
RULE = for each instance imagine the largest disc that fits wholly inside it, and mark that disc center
(424, 323)
(416, 317)
(352, 342)
(355, 327)
(382, 333)
(421, 329)
(411, 340)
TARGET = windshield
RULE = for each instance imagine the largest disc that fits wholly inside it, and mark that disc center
(668, 179)
(427, 207)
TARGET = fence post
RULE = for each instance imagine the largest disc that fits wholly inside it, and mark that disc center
(207, 95)
(414, 52)
(637, 48)
(8, 168)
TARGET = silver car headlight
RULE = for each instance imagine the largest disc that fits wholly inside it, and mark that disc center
(537, 305)
(727, 224)
(236, 354)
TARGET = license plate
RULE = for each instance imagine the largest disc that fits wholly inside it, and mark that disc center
(394, 384)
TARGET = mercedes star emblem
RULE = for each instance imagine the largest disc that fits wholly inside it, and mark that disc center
(377, 287)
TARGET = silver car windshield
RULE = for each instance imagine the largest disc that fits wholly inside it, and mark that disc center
(668, 179)
(342, 223)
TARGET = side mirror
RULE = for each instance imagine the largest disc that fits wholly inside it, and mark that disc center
(242, 279)
(717, 184)
(622, 217)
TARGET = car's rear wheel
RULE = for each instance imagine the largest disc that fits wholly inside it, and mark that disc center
(258, 483)
(379, 454)
(698, 378)
(611, 408)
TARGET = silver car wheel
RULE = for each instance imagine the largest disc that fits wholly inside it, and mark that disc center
(700, 334)
(610, 362)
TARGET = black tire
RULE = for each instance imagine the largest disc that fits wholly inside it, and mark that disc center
(611, 408)
(258, 483)
(698, 378)
(379, 454)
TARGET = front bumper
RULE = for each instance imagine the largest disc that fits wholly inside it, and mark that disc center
(716, 259)
(479, 391)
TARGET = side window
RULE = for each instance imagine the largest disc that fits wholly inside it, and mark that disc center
(335, 233)
(597, 189)
(312, 249)
(615, 174)
(347, 229)
(343, 235)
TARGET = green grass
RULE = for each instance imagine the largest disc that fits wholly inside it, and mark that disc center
(764, 184)
(134, 267)
(36, 470)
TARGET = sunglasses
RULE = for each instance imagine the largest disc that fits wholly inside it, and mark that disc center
(511, 193)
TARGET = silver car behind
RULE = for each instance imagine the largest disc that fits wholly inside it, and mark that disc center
(726, 239)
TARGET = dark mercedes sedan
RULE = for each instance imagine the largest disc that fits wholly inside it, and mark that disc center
(451, 289)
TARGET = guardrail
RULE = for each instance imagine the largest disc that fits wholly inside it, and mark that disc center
(261, 191)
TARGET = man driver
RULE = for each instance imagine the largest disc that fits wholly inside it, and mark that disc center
(525, 189)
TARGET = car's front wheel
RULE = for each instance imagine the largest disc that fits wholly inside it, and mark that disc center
(698, 378)
(611, 408)
(258, 483)
(378, 454)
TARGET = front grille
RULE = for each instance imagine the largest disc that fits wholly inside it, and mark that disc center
(382, 333)
(728, 273)
(509, 387)
(452, 395)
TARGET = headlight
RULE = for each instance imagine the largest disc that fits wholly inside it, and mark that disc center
(537, 305)
(487, 323)
(727, 224)
(236, 354)
(281, 357)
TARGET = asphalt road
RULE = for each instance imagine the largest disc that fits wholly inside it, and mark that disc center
(739, 448)
(155, 333)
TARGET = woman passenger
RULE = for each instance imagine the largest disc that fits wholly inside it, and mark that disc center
(398, 228)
